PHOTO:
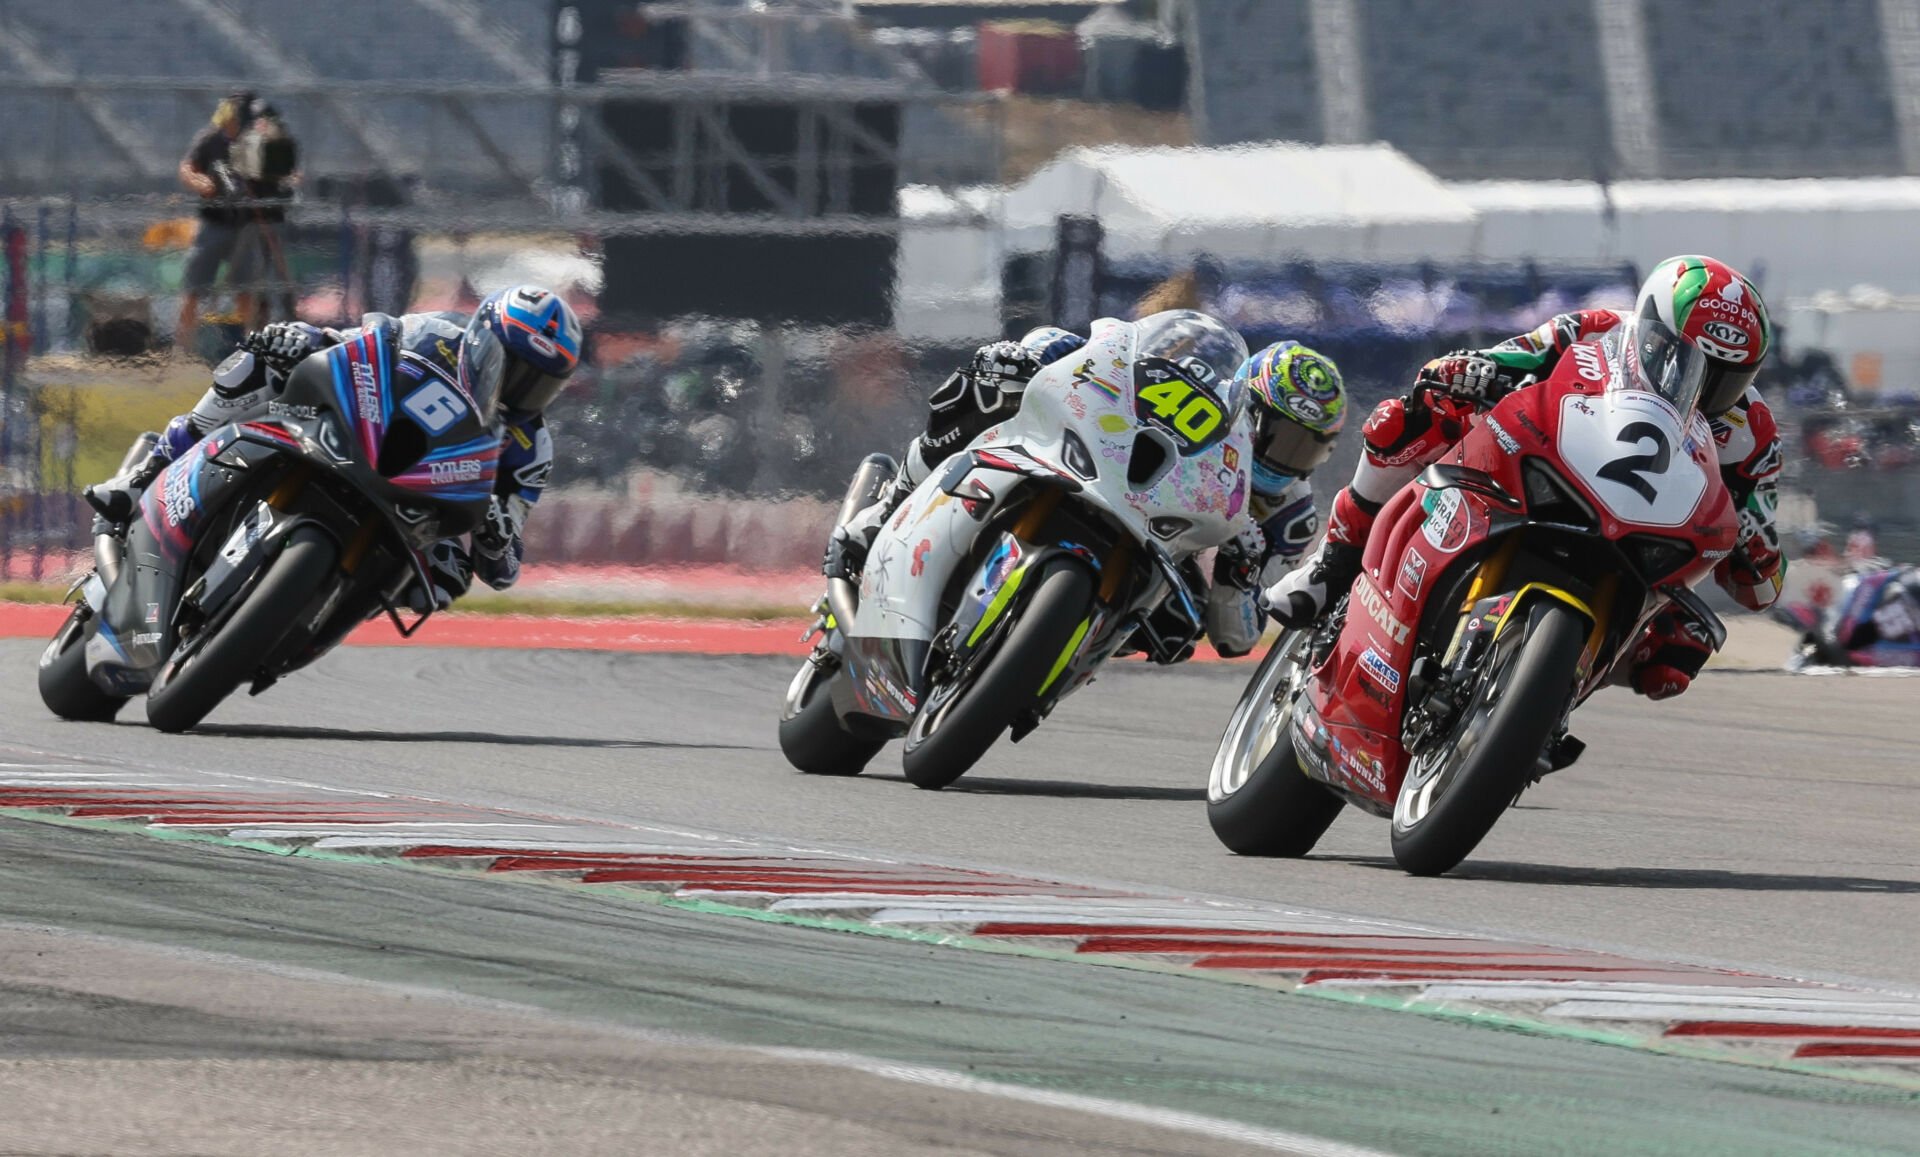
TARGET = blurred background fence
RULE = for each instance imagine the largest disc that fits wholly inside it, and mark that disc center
(786, 220)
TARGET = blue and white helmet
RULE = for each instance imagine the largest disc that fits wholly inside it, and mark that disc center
(520, 347)
(1050, 343)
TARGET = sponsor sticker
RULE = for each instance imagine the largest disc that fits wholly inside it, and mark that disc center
(366, 389)
(1588, 363)
(458, 470)
(1375, 605)
(146, 638)
(1413, 573)
(1527, 424)
(1507, 441)
(1724, 333)
(1379, 670)
(1449, 522)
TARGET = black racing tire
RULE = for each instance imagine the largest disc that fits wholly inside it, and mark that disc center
(1274, 809)
(64, 686)
(1278, 811)
(189, 688)
(941, 750)
(1522, 699)
(810, 733)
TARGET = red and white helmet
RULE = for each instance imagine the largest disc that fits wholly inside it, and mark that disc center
(1698, 334)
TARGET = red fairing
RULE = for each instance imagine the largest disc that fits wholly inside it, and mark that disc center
(1359, 693)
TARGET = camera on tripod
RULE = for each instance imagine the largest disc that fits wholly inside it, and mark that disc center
(265, 153)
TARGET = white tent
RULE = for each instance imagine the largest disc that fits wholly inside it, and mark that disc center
(1269, 202)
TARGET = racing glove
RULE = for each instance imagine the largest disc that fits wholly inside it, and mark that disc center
(284, 344)
(1000, 370)
(1462, 374)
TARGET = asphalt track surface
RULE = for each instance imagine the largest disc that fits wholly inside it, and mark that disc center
(1762, 820)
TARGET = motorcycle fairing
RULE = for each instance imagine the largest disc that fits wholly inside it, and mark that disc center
(445, 448)
(174, 512)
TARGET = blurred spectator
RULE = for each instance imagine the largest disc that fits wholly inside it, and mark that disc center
(1861, 544)
(243, 166)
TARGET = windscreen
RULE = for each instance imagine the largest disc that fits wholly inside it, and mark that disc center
(1185, 336)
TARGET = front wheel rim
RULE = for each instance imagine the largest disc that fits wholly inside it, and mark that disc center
(1259, 724)
(941, 698)
(1434, 770)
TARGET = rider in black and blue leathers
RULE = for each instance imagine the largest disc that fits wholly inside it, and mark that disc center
(525, 339)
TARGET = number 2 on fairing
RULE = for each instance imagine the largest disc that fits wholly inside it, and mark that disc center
(435, 406)
(1192, 413)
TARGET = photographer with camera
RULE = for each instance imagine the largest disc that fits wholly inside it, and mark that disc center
(244, 167)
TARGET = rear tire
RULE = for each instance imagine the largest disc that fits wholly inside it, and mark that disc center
(1529, 687)
(64, 686)
(1275, 810)
(939, 751)
(810, 733)
(190, 688)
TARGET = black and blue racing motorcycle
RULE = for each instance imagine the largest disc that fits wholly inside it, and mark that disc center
(257, 550)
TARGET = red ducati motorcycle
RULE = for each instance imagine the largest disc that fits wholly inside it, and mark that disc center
(1498, 592)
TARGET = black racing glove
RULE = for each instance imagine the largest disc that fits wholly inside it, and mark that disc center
(1001, 370)
(284, 344)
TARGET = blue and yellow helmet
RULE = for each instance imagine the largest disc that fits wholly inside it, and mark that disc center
(1299, 406)
(522, 342)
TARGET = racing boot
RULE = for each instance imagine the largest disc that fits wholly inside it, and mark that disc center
(1305, 592)
(116, 499)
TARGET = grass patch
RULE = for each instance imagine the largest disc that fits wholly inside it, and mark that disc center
(509, 604)
(491, 603)
(33, 592)
(107, 416)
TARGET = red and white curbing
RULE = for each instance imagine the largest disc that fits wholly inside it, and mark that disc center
(1650, 1003)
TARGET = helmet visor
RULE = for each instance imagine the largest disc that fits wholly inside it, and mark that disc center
(1289, 448)
(527, 389)
(1723, 386)
(483, 365)
(1659, 360)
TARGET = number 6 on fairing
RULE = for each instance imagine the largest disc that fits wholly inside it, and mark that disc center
(435, 406)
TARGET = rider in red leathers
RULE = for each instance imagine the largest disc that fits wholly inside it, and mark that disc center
(1706, 302)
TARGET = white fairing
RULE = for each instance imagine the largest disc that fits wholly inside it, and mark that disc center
(1089, 392)
(1630, 449)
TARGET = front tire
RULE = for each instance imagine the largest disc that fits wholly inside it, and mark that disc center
(1274, 810)
(810, 733)
(64, 686)
(1453, 795)
(956, 725)
(191, 686)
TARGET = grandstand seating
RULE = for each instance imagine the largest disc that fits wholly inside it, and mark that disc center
(1476, 88)
(1778, 89)
(1253, 70)
(1515, 92)
(1515, 88)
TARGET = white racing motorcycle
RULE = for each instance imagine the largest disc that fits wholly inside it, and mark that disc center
(1050, 543)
